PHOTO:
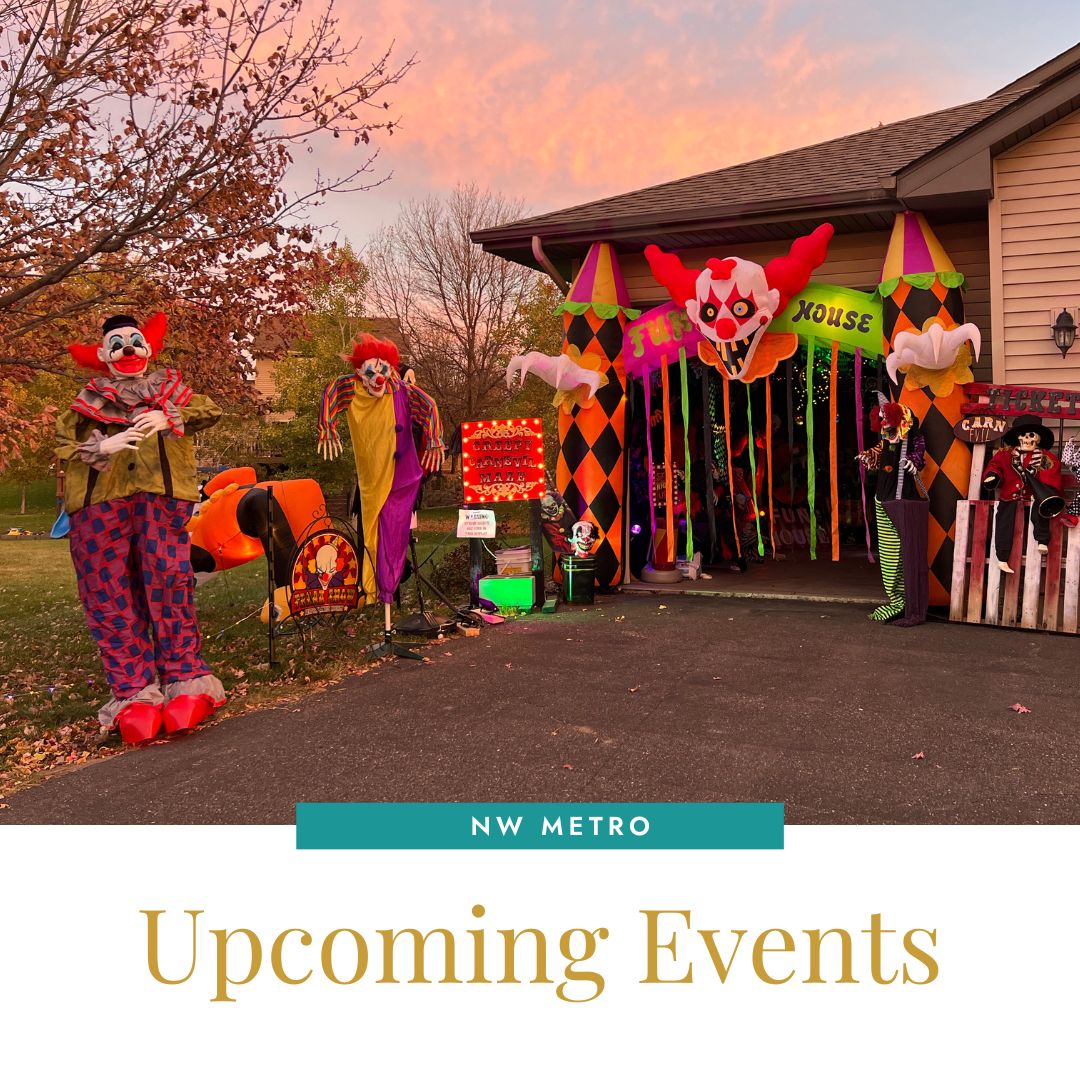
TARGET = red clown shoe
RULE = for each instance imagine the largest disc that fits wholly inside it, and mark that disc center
(186, 712)
(139, 722)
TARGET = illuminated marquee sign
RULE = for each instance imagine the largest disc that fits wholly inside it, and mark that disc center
(502, 460)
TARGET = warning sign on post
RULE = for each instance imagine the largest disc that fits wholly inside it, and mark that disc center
(476, 524)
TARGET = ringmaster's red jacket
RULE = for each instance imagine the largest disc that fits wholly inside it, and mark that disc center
(1004, 479)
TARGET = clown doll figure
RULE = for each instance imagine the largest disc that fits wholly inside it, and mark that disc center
(383, 410)
(127, 452)
(1023, 469)
(900, 511)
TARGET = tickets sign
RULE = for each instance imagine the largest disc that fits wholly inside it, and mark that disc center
(502, 460)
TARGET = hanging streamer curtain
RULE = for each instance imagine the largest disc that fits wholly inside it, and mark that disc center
(859, 438)
(753, 467)
(686, 451)
(834, 429)
(730, 464)
(648, 450)
(811, 481)
(768, 460)
(710, 488)
(669, 494)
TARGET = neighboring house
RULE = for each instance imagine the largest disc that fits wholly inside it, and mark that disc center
(998, 179)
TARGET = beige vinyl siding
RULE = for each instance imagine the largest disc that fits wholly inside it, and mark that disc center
(1035, 238)
(854, 261)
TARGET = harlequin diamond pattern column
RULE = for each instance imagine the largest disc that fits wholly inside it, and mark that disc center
(919, 287)
(591, 463)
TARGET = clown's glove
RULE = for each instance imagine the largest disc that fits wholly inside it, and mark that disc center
(127, 439)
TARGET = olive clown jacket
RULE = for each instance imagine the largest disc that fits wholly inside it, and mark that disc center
(162, 464)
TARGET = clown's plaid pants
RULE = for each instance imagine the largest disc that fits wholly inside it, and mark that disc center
(133, 564)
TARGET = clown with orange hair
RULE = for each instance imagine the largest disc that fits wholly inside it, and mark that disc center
(130, 488)
(383, 410)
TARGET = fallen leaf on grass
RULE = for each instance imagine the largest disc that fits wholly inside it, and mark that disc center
(920, 756)
(1018, 708)
(620, 618)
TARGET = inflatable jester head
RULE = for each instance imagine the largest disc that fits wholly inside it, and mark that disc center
(126, 348)
(926, 338)
(733, 301)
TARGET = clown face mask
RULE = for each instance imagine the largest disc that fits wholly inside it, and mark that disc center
(733, 307)
(375, 376)
(126, 351)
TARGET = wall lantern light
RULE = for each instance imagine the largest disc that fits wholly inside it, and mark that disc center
(1064, 332)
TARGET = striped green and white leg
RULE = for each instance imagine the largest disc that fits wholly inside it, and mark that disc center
(892, 566)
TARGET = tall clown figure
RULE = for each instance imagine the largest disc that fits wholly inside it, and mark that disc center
(130, 468)
(900, 511)
(383, 409)
(930, 350)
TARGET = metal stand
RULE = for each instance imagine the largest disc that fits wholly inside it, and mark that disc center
(271, 585)
(425, 622)
(388, 647)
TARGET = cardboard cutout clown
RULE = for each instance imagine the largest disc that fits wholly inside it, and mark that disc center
(732, 302)
(382, 410)
(130, 467)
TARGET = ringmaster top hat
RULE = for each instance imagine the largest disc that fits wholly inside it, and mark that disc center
(1012, 436)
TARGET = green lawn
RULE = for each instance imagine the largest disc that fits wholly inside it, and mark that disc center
(51, 682)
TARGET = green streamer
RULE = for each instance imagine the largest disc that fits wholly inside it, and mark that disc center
(811, 485)
(686, 447)
(753, 468)
(603, 311)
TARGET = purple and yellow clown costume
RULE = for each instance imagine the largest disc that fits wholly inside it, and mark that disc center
(382, 411)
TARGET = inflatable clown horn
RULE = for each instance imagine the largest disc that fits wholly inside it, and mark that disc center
(930, 348)
(733, 302)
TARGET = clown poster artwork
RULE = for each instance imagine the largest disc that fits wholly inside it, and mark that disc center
(325, 576)
(502, 460)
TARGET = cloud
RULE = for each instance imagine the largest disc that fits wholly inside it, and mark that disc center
(561, 102)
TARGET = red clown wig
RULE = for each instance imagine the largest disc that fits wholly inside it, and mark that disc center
(367, 347)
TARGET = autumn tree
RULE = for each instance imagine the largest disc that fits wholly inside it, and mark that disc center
(332, 316)
(145, 154)
(460, 309)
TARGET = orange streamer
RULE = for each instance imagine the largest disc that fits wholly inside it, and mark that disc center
(833, 430)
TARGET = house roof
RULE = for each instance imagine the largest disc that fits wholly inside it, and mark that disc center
(856, 181)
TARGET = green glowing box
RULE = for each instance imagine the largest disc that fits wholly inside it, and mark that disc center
(509, 590)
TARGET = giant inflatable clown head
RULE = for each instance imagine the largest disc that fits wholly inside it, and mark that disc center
(734, 301)
(126, 348)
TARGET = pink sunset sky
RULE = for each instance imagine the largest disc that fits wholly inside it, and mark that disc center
(561, 102)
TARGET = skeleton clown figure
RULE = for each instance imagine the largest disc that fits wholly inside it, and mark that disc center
(130, 463)
(901, 513)
(1024, 469)
(383, 411)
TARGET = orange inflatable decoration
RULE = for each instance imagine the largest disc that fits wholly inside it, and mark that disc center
(230, 526)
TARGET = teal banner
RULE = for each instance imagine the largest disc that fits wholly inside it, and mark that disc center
(539, 826)
(833, 313)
